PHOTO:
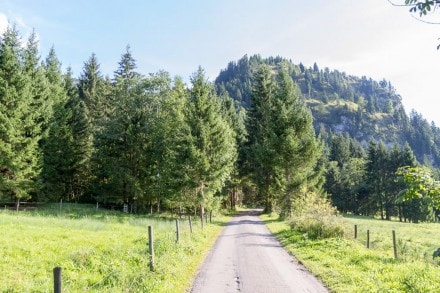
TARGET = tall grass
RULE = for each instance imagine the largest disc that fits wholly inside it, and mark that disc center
(346, 265)
(99, 251)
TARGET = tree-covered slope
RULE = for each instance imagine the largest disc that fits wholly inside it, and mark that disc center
(340, 103)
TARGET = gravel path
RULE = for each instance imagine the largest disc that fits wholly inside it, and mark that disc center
(247, 258)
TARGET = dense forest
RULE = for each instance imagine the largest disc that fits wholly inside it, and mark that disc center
(265, 132)
(366, 132)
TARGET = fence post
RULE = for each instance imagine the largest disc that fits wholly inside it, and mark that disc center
(394, 244)
(355, 231)
(190, 225)
(151, 247)
(368, 238)
(210, 217)
(177, 231)
(57, 280)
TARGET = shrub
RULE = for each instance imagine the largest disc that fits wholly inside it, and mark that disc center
(316, 218)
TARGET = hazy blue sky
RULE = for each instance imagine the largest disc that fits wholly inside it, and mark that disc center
(370, 38)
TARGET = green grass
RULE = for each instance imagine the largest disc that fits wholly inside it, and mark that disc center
(99, 251)
(346, 265)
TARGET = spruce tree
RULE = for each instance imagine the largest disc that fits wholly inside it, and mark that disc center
(260, 147)
(90, 95)
(296, 143)
(121, 138)
(212, 147)
(57, 172)
(169, 149)
(19, 136)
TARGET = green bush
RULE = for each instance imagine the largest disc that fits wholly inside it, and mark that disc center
(316, 218)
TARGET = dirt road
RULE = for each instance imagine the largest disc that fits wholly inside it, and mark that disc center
(247, 258)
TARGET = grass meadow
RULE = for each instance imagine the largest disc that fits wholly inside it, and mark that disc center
(98, 251)
(346, 265)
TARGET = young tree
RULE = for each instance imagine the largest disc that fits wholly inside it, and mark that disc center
(422, 190)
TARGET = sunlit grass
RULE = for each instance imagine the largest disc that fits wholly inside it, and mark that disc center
(346, 265)
(99, 251)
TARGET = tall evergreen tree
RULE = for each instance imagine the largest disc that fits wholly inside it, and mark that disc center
(212, 146)
(19, 136)
(296, 143)
(57, 172)
(121, 138)
(169, 150)
(90, 95)
(261, 138)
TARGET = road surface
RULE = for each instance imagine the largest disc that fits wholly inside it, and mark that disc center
(247, 258)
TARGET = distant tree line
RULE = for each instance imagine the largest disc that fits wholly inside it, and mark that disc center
(134, 139)
(154, 143)
(368, 182)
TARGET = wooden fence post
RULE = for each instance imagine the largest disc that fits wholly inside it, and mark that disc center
(394, 244)
(368, 238)
(57, 281)
(177, 231)
(151, 247)
(190, 225)
(355, 231)
(210, 217)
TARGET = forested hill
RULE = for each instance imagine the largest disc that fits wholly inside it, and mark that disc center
(363, 108)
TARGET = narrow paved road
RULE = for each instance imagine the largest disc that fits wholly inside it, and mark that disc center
(247, 258)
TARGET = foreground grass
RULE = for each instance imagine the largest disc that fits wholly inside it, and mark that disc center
(98, 251)
(346, 265)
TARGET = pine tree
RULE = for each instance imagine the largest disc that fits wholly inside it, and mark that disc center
(57, 172)
(212, 146)
(296, 143)
(169, 150)
(120, 137)
(260, 146)
(19, 136)
(91, 97)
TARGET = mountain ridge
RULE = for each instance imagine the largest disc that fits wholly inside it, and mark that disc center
(361, 107)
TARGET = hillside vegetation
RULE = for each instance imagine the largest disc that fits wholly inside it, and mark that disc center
(363, 108)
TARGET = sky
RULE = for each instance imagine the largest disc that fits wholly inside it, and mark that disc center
(363, 38)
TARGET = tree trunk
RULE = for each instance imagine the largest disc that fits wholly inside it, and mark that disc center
(17, 204)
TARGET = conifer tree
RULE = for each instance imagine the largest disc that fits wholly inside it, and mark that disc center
(169, 148)
(19, 136)
(122, 138)
(212, 146)
(58, 146)
(296, 143)
(261, 138)
(90, 95)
